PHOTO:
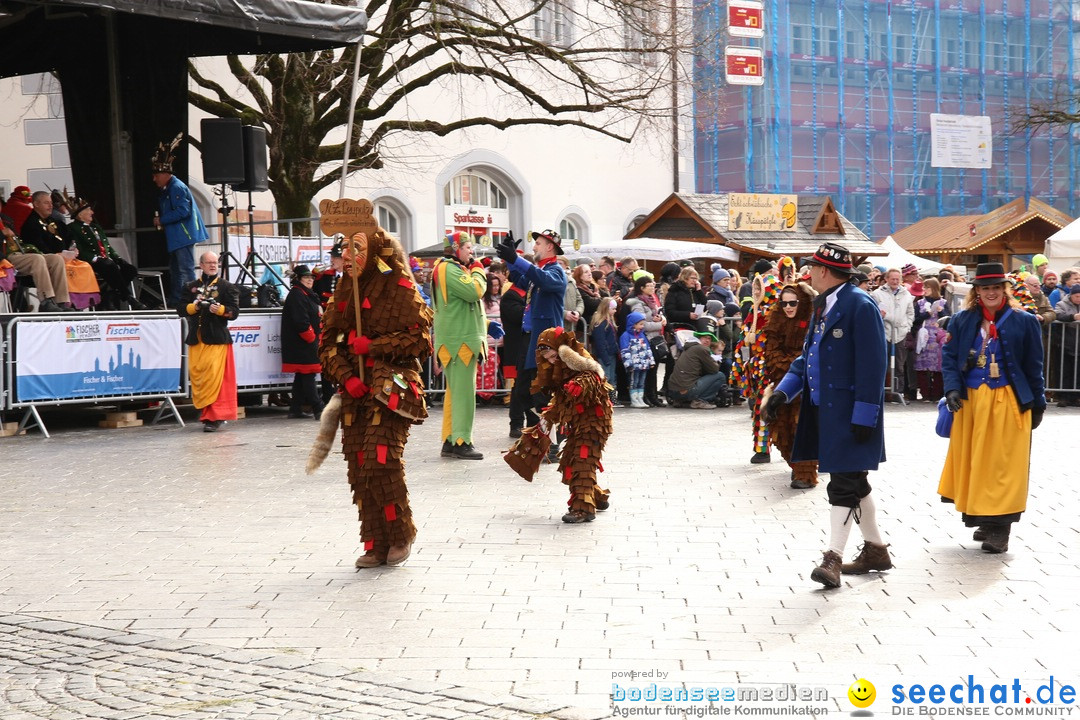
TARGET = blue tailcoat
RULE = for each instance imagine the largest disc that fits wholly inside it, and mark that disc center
(842, 372)
(545, 288)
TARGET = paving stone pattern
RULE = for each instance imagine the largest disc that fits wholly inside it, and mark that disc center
(207, 552)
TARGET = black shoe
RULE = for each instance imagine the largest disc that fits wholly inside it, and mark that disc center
(135, 304)
(980, 534)
(761, 457)
(465, 451)
(212, 425)
(515, 432)
(603, 504)
(997, 539)
(297, 415)
(49, 305)
(447, 449)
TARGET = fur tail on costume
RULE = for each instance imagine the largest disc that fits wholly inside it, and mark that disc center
(328, 425)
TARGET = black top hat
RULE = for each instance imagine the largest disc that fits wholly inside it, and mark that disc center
(706, 326)
(551, 236)
(833, 256)
(989, 274)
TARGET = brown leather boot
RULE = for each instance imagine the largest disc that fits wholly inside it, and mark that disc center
(370, 559)
(871, 557)
(398, 554)
(828, 572)
(980, 534)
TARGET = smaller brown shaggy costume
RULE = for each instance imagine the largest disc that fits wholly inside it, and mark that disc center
(784, 338)
(581, 407)
(397, 324)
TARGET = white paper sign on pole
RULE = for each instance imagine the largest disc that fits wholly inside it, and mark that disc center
(960, 141)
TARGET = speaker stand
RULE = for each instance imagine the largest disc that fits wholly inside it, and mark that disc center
(252, 256)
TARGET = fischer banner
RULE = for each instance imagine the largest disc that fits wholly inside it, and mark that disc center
(257, 350)
(71, 359)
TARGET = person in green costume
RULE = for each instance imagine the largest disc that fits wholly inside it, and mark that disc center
(458, 283)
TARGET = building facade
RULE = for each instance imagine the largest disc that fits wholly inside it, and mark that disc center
(849, 90)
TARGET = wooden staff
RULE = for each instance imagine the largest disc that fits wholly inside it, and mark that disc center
(356, 301)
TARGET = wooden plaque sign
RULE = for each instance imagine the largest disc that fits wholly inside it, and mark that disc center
(347, 217)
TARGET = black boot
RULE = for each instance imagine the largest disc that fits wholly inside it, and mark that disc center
(465, 451)
(997, 539)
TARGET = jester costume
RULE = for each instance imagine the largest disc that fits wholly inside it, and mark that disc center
(390, 340)
(581, 408)
(461, 334)
(749, 374)
(784, 339)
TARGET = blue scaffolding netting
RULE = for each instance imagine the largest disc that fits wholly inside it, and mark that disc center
(849, 90)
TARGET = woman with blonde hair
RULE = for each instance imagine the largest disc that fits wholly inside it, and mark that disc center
(992, 366)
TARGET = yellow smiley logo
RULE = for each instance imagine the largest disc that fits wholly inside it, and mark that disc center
(862, 693)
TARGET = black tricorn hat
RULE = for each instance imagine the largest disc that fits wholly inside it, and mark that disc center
(991, 273)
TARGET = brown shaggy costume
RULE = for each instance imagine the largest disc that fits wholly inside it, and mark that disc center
(784, 338)
(376, 425)
(581, 406)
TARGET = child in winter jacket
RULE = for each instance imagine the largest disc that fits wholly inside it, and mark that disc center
(605, 340)
(637, 357)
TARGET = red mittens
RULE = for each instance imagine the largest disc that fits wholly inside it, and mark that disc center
(359, 344)
(308, 335)
(356, 387)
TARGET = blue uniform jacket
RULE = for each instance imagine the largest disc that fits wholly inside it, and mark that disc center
(180, 216)
(1021, 340)
(842, 372)
(545, 287)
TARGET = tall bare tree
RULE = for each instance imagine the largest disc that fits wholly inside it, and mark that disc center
(605, 65)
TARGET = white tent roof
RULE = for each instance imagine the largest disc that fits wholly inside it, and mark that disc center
(898, 257)
(1063, 247)
(654, 249)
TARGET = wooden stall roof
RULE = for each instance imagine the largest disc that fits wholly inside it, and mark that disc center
(704, 218)
(965, 233)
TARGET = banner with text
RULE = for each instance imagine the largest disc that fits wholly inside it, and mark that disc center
(257, 350)
(279, 251)
(961, 141)
(71, 359)
(762, 212)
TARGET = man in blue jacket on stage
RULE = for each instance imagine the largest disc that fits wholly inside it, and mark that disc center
(841, 374)
(179, 216)
(545, 286)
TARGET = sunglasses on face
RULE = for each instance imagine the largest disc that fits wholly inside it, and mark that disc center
(789, 303)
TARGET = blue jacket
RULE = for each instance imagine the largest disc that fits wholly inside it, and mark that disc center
(605, 343)
(180, 216)
(545, 287)
(1021, 339)
(842, 373)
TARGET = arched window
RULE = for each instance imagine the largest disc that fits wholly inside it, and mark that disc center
(568, 229)
(476, 191)
(388, 219)
(635, 222)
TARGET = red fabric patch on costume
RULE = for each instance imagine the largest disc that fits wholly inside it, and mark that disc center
(573, 388)
(415, 390)
(509, 372)
(370, 362)
(568, 472)
(390, 511)
(570, 502)
(392, 403)
(599, 411)
(369, 545)
(584, 452)
(359, 457)
(558, 330)
(366, 305)
(341, 306)
(579, 408)
(380, 454)
(600, 466)
(405, 282)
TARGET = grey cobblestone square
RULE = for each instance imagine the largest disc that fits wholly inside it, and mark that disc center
(206, 576)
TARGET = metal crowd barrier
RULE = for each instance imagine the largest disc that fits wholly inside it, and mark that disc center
(1062, 347)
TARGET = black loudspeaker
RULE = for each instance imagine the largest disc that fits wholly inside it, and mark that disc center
(222, 151)
(255, 177)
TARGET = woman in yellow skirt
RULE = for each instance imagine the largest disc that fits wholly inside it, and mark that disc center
(992, 366)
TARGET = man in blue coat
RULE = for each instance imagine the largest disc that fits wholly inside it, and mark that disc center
(179, 216)
(841, 374)
(545, 287)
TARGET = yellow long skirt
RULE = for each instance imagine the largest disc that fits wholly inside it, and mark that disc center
(986, 470)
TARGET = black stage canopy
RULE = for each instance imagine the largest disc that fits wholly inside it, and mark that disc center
(122, 66)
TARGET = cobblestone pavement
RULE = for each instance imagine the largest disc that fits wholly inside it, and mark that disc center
(171, 537)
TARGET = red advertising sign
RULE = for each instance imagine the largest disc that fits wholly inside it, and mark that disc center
(745, 66)
(746, 18)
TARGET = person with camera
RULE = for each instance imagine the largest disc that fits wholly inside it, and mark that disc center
(698, 380)
(841, 378)
(544, 284)
(209, 302)
(458, 283)
(992, 364)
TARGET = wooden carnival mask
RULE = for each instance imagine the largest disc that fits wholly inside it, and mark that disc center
(355, 254)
